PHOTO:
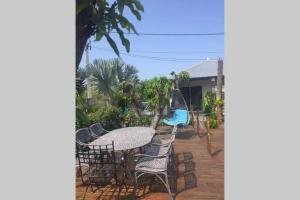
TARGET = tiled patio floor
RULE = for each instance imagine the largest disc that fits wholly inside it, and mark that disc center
(201, 176)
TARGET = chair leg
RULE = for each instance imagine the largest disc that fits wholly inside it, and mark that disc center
(87, 187)
(166, 183)
(168, 186)
(81, 176)
(135, 185)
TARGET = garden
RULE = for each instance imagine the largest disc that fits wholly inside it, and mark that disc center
(110, 92)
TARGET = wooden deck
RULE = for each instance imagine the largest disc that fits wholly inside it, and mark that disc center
(200, 176)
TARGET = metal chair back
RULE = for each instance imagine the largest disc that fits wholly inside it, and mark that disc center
(98, 155)
(83, 136)
(101, 162)
(97, 130)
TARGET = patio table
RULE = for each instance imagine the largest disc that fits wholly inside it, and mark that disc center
(126, 138)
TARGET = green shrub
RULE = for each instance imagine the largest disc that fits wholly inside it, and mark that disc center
(209, 103)
(110, 117)
(145, 121)
(82, 119)
(213, 123)
(184, 76)
(209, 108)
(131, 118)
(135, 121)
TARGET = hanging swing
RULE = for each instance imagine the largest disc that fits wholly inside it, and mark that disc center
(179, 109)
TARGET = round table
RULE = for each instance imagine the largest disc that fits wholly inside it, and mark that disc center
(126, 138)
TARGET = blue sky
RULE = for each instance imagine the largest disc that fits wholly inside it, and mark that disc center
(169, 16)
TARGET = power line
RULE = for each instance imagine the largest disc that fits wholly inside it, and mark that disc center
(169, 52)
(160, 58)
(175, 34)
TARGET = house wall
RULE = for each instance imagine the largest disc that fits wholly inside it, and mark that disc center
(192, 83)
(206, 85)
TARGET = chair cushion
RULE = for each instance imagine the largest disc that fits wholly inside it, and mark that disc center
(179, 117)
(169, 122)
(162, 139)
(152, 164)
(157, 150)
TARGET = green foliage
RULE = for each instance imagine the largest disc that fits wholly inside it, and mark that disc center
(124, 95)
(133, 120)
(213, 123)
(184, 76)
(82, 119)
(220, 102)
(111, 76)
(80, 77)
(209, 108)
(209, 103)
(110, 117)
(102, 74)
(101, 17)
(156, 91)
(117, 82)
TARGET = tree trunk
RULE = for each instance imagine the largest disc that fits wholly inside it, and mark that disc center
(156, 119)
(176, 82)
(81, 40)
(84, 31)
(136, 109)
(219, 89)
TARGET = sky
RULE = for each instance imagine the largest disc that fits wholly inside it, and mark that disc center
(168, 16)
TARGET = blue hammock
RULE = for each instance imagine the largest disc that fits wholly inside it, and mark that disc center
(179, 117)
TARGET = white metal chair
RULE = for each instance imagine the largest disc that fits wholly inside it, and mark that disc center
(83, 136)
(102, 166)
(164, 139)
(154, 161)
(97, 130)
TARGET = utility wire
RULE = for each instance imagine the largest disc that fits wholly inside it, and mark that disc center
(167, 52)
(160, 58)
(174, 34)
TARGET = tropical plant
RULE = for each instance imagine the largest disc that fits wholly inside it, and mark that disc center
(128, 96)
(209, 102)
(125, 73)
(80, 80)
(220, 102)
(82, 119)
(110, 75)
(184, 76)
(133, 120)
(102, 74)
(156, 91)
(99, 18)
(111, 117)
(81, 108)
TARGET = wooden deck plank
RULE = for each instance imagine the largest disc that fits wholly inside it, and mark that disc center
(203, 181)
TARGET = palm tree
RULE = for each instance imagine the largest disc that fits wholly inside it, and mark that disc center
(80, 80)
(107, 75)
(102, 75)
